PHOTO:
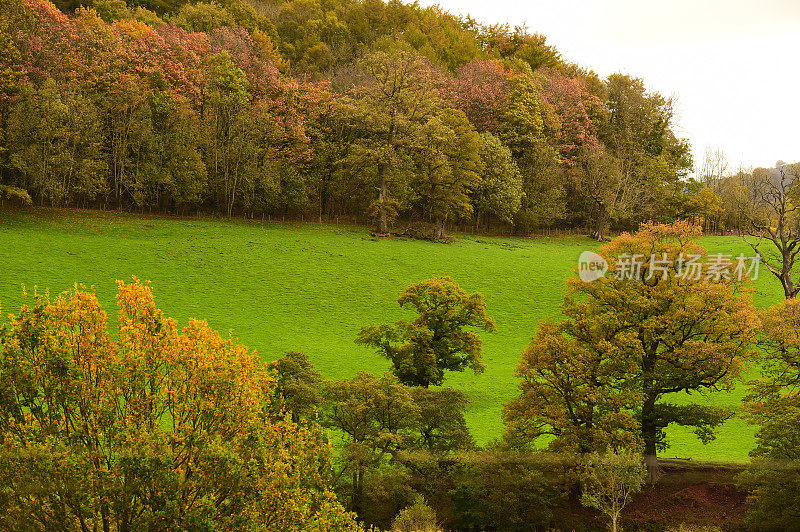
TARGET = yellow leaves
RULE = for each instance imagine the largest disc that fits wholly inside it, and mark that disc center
(773, 400)
(217, 385)
(132, 28)
(781, 327)
(181, 413)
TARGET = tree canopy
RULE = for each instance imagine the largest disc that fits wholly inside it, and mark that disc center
(357, 108)
(651, 327)
(423, 349)
(156, 427)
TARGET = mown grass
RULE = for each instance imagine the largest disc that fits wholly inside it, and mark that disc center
(310, 287)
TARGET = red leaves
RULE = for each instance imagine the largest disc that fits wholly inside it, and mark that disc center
(479, 89)
(569, 99)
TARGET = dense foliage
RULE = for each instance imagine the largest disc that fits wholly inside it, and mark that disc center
(774, 405)
(397, 114)
(151, 426)
(353, 108)
(158, 428)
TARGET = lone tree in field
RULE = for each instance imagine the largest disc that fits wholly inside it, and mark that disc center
(609, 481)
(629, 341)
(435, 342)
(773, 215)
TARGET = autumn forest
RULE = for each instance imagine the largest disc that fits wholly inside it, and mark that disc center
(251, 124)
(354, 110)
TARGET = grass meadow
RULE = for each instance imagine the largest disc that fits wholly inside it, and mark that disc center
(310, 287)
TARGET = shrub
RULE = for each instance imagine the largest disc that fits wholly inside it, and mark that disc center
(418, 517)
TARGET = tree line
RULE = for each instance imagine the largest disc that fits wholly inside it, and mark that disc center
(362, 109)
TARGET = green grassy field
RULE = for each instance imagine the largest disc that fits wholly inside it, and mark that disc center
(310, 287)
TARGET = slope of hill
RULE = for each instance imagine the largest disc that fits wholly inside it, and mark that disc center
(310, 287)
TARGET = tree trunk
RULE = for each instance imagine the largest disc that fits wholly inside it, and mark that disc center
(358, 492)
(383, 192)
(649, 436)
(383, 185)
(438, 230)
(788, 289)
(600, 223)
(787, 263)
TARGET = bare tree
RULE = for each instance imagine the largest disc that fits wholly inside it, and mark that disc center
(713, 169)
(712, 174)
(774, 222)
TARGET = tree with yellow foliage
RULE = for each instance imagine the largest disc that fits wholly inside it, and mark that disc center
(158, 428)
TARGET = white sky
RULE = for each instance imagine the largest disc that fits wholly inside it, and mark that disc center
(733, 65)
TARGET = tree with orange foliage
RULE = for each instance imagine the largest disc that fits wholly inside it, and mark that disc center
(773, 404)
(608, 370)
(161, 428)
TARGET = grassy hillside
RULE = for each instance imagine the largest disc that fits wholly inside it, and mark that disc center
(311, 287)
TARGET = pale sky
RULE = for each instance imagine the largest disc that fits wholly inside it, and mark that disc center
(733, 65)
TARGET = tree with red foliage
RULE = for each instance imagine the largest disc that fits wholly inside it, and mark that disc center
(479, 88)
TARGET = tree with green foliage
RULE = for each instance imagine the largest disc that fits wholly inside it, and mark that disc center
(111, 10)
(13, 14)
(516, 42)
(599, 180)
(392, 103)
(55, 145)
(307, 32)
(639, 133)
(441, 426)
(423, 349)
(526, 116)
(416, 517)
(497, 489)
(298, 387)
(203, 17)
(376, 417)
(609, 481)
(528, 122)
(499, 193)
(171, 172)
(229, 155)
(448, 168)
